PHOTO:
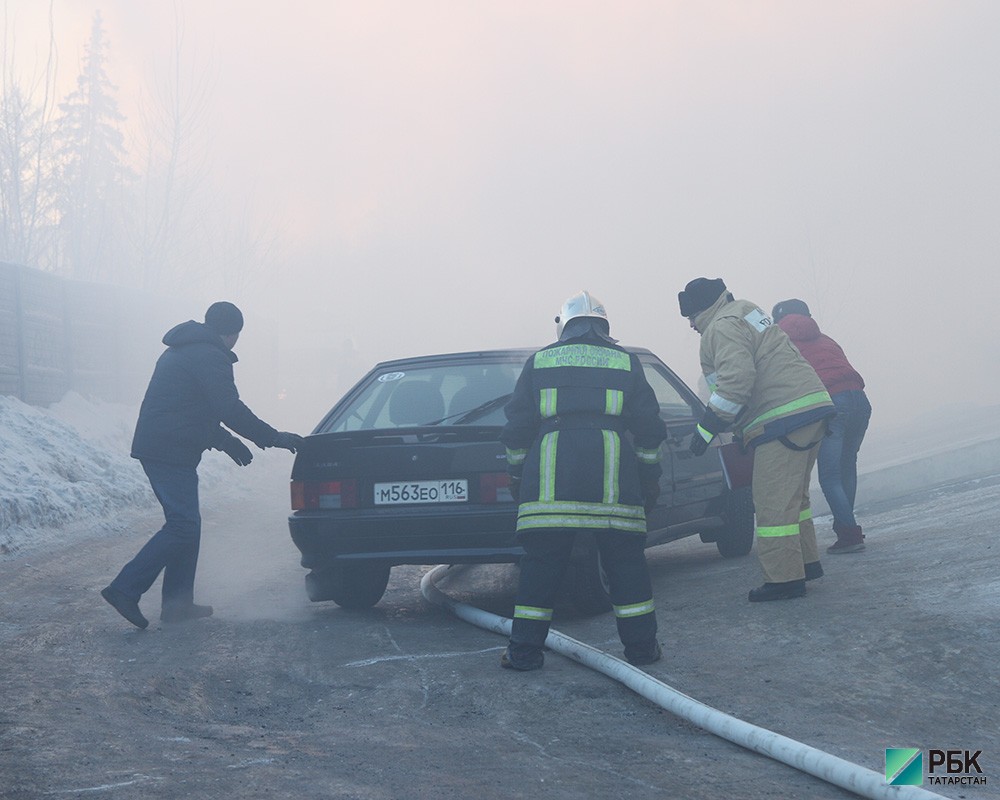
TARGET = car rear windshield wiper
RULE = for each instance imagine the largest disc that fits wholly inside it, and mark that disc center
(474, 413)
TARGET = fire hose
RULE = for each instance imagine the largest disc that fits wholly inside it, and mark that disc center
(837, 771)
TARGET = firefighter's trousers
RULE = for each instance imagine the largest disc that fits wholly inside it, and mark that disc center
(786, 537)
(547, 555)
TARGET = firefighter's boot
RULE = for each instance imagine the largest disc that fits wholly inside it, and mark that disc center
(522, 658)
(778, 591)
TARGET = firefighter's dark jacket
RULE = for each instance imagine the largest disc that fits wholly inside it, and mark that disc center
(191, 392)
(566, 437)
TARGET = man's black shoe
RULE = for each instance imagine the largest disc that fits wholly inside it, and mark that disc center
(778, 591)
(814, 570)
(125, 606)
(184, 613)
(522, 663)
(649, 656)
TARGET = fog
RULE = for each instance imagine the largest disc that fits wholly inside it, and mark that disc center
(441, 175)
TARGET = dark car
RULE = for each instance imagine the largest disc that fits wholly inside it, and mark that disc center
(408, 469)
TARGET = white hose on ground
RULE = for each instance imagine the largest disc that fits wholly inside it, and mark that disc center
(854, 778)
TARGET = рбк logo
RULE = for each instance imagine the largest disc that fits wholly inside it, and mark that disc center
(904, 766)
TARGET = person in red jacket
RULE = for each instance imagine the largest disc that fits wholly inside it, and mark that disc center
(838, 454)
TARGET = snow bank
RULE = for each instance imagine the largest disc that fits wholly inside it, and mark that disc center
(67, 469)
(64, 465)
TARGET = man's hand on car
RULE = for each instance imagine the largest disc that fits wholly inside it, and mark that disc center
(287, 441)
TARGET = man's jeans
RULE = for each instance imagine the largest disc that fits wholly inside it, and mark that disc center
(838, 455)
(174, 548)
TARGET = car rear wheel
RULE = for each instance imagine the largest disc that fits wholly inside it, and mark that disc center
(737, 538)
(351, 586)
(587, 583)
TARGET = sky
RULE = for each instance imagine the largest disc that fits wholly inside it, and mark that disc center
(442, 175)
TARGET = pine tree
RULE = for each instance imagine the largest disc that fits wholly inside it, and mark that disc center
(92, 170)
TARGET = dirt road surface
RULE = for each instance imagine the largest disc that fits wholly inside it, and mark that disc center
(275, 697)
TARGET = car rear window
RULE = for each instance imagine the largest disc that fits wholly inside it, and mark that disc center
(436, 394)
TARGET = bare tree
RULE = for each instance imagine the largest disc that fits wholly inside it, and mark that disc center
(164, 221)
(26, 192)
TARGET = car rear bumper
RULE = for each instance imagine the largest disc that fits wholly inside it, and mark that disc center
(422, 536)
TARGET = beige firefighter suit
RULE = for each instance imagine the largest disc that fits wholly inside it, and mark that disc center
(773, 398)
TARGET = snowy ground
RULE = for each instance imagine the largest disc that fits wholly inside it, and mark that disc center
(66, 469)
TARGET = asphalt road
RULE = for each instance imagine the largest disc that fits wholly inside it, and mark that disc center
(276, 697)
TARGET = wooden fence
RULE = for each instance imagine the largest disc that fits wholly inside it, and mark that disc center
(58, 335)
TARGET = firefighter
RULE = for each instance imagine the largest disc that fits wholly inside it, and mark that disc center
(573, 469)
(768, 393)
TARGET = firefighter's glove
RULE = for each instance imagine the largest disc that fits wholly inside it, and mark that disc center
(237, 451)
(515, 489)
(711, 425)
(650, 494)
(287, 441)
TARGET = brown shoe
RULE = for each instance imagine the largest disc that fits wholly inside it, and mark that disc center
(125, 606)
(840, 546)
(849, 540)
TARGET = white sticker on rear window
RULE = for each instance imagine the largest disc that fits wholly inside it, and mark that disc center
(390, 376)
(758, 320)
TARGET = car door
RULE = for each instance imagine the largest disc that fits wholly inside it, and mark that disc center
(689, 483)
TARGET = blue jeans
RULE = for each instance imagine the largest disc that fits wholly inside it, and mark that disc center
(838, 455)
(173, 550)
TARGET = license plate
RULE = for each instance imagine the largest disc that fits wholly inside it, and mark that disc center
(451, 491)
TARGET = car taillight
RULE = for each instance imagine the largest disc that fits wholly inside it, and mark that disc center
(308, 495)
(494, 487)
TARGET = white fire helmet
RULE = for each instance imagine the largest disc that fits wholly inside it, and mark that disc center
(582, 304)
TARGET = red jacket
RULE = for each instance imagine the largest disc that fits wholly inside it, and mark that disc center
(823, 353)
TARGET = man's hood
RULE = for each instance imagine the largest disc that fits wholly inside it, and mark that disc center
(192, 332)
(799, 327)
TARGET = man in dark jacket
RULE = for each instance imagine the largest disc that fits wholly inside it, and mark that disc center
(191, 392)
(838, 454)
(573, 470)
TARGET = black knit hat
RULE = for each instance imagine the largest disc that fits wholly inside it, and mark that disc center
(699, 294)
(786, 307)
(224, 318)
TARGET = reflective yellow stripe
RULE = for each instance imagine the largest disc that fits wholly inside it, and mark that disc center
(516, 457)
(531, 612)
(647, 455)
(547, 402)
(547, 467)
(574, 507)
(612, 462)
(724, 405)
(814, 399)
(778, 530)
(614, 400)
(582, 355)
(568, 521)
(807, 514)
(635, 609)
(704, 434)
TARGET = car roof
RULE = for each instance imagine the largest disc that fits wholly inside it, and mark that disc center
(513, 353)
